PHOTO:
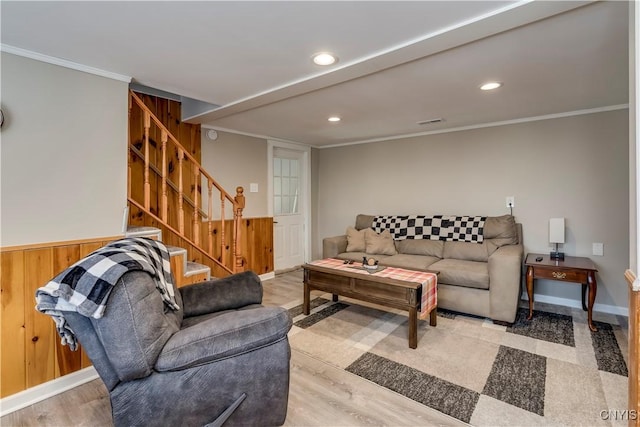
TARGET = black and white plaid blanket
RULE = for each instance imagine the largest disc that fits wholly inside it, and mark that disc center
(437, 227)
(86, 285)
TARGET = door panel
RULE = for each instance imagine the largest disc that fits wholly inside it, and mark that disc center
(288, 215)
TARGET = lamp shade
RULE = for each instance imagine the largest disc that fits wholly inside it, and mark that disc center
(556, 230)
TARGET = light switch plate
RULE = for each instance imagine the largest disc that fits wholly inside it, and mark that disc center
(253, 187)
(598, 249)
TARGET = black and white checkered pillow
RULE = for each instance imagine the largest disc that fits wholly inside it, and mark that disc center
(467, 228)
(437, 227)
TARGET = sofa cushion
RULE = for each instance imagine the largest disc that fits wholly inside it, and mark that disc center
(432, 248)
(410, 262)
(466, 251)
(364, 221)
(379, 244)
(232, 333)
(471, 274)
(501, 227)
(355, 240)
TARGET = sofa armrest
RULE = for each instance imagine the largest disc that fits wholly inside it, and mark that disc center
(505, 278)
(332, 246)
(227, 335)
(227, 293)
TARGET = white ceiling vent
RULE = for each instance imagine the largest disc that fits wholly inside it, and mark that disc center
(431, 121)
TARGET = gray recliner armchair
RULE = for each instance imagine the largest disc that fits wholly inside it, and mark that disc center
(221, 358)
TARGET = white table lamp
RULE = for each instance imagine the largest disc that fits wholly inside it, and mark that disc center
(556, 235)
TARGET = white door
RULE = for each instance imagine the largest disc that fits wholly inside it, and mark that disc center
(288, 208)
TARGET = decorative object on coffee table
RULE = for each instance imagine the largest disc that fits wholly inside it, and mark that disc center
(369, 263)
(570, 269)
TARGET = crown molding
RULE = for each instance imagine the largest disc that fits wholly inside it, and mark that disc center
(63, 63)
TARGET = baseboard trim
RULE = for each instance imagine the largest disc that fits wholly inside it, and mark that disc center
(46, 390)
(267, 276)
(603, 308)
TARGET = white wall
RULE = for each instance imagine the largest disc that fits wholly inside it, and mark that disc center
(63, 153)
(237, 160)
(575, 167)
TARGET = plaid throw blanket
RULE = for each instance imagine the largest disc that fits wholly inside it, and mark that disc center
(438, 227)
(86, 285)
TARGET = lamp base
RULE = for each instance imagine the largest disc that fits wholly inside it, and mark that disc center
(556, 255)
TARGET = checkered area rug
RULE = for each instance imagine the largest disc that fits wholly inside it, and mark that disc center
(549, 371)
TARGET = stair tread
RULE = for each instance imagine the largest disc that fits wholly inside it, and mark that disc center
(143, 231)
(196, 268)
(175, 250)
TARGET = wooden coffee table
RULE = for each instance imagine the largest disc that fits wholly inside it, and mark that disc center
(384, 288)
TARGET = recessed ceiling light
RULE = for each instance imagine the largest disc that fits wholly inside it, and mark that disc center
(324, 58)
(491, 85)
(334, 119)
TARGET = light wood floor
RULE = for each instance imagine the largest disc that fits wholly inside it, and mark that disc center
(319, 394)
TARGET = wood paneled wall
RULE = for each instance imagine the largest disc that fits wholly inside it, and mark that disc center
(634, 350)
(256, 239)
(30, 351)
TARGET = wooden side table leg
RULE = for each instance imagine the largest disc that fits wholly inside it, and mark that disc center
(334, 298)
(306, 304)
(593, 289)
(433, 316)
(584, 293)
(530, 290)
(413, 327)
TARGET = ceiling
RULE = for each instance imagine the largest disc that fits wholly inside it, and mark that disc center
(400, 63)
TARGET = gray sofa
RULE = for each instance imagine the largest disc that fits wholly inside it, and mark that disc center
(482, 279)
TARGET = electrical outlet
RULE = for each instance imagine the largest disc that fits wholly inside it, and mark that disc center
(511, 201)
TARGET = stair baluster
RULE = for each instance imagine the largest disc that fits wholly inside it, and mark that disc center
(164, 204)
(196, 197)
(147, 184)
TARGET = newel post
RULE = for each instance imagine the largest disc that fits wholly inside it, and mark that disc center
(237, 220)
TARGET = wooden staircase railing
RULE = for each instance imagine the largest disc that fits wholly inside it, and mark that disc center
(169, 168)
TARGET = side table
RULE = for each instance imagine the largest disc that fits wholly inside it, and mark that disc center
(571, 269)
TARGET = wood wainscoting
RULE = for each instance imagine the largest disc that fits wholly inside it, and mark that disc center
(30, 349)
(256, 240)
(634, 349)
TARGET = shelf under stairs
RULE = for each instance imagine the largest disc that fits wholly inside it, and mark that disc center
(184, 271)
